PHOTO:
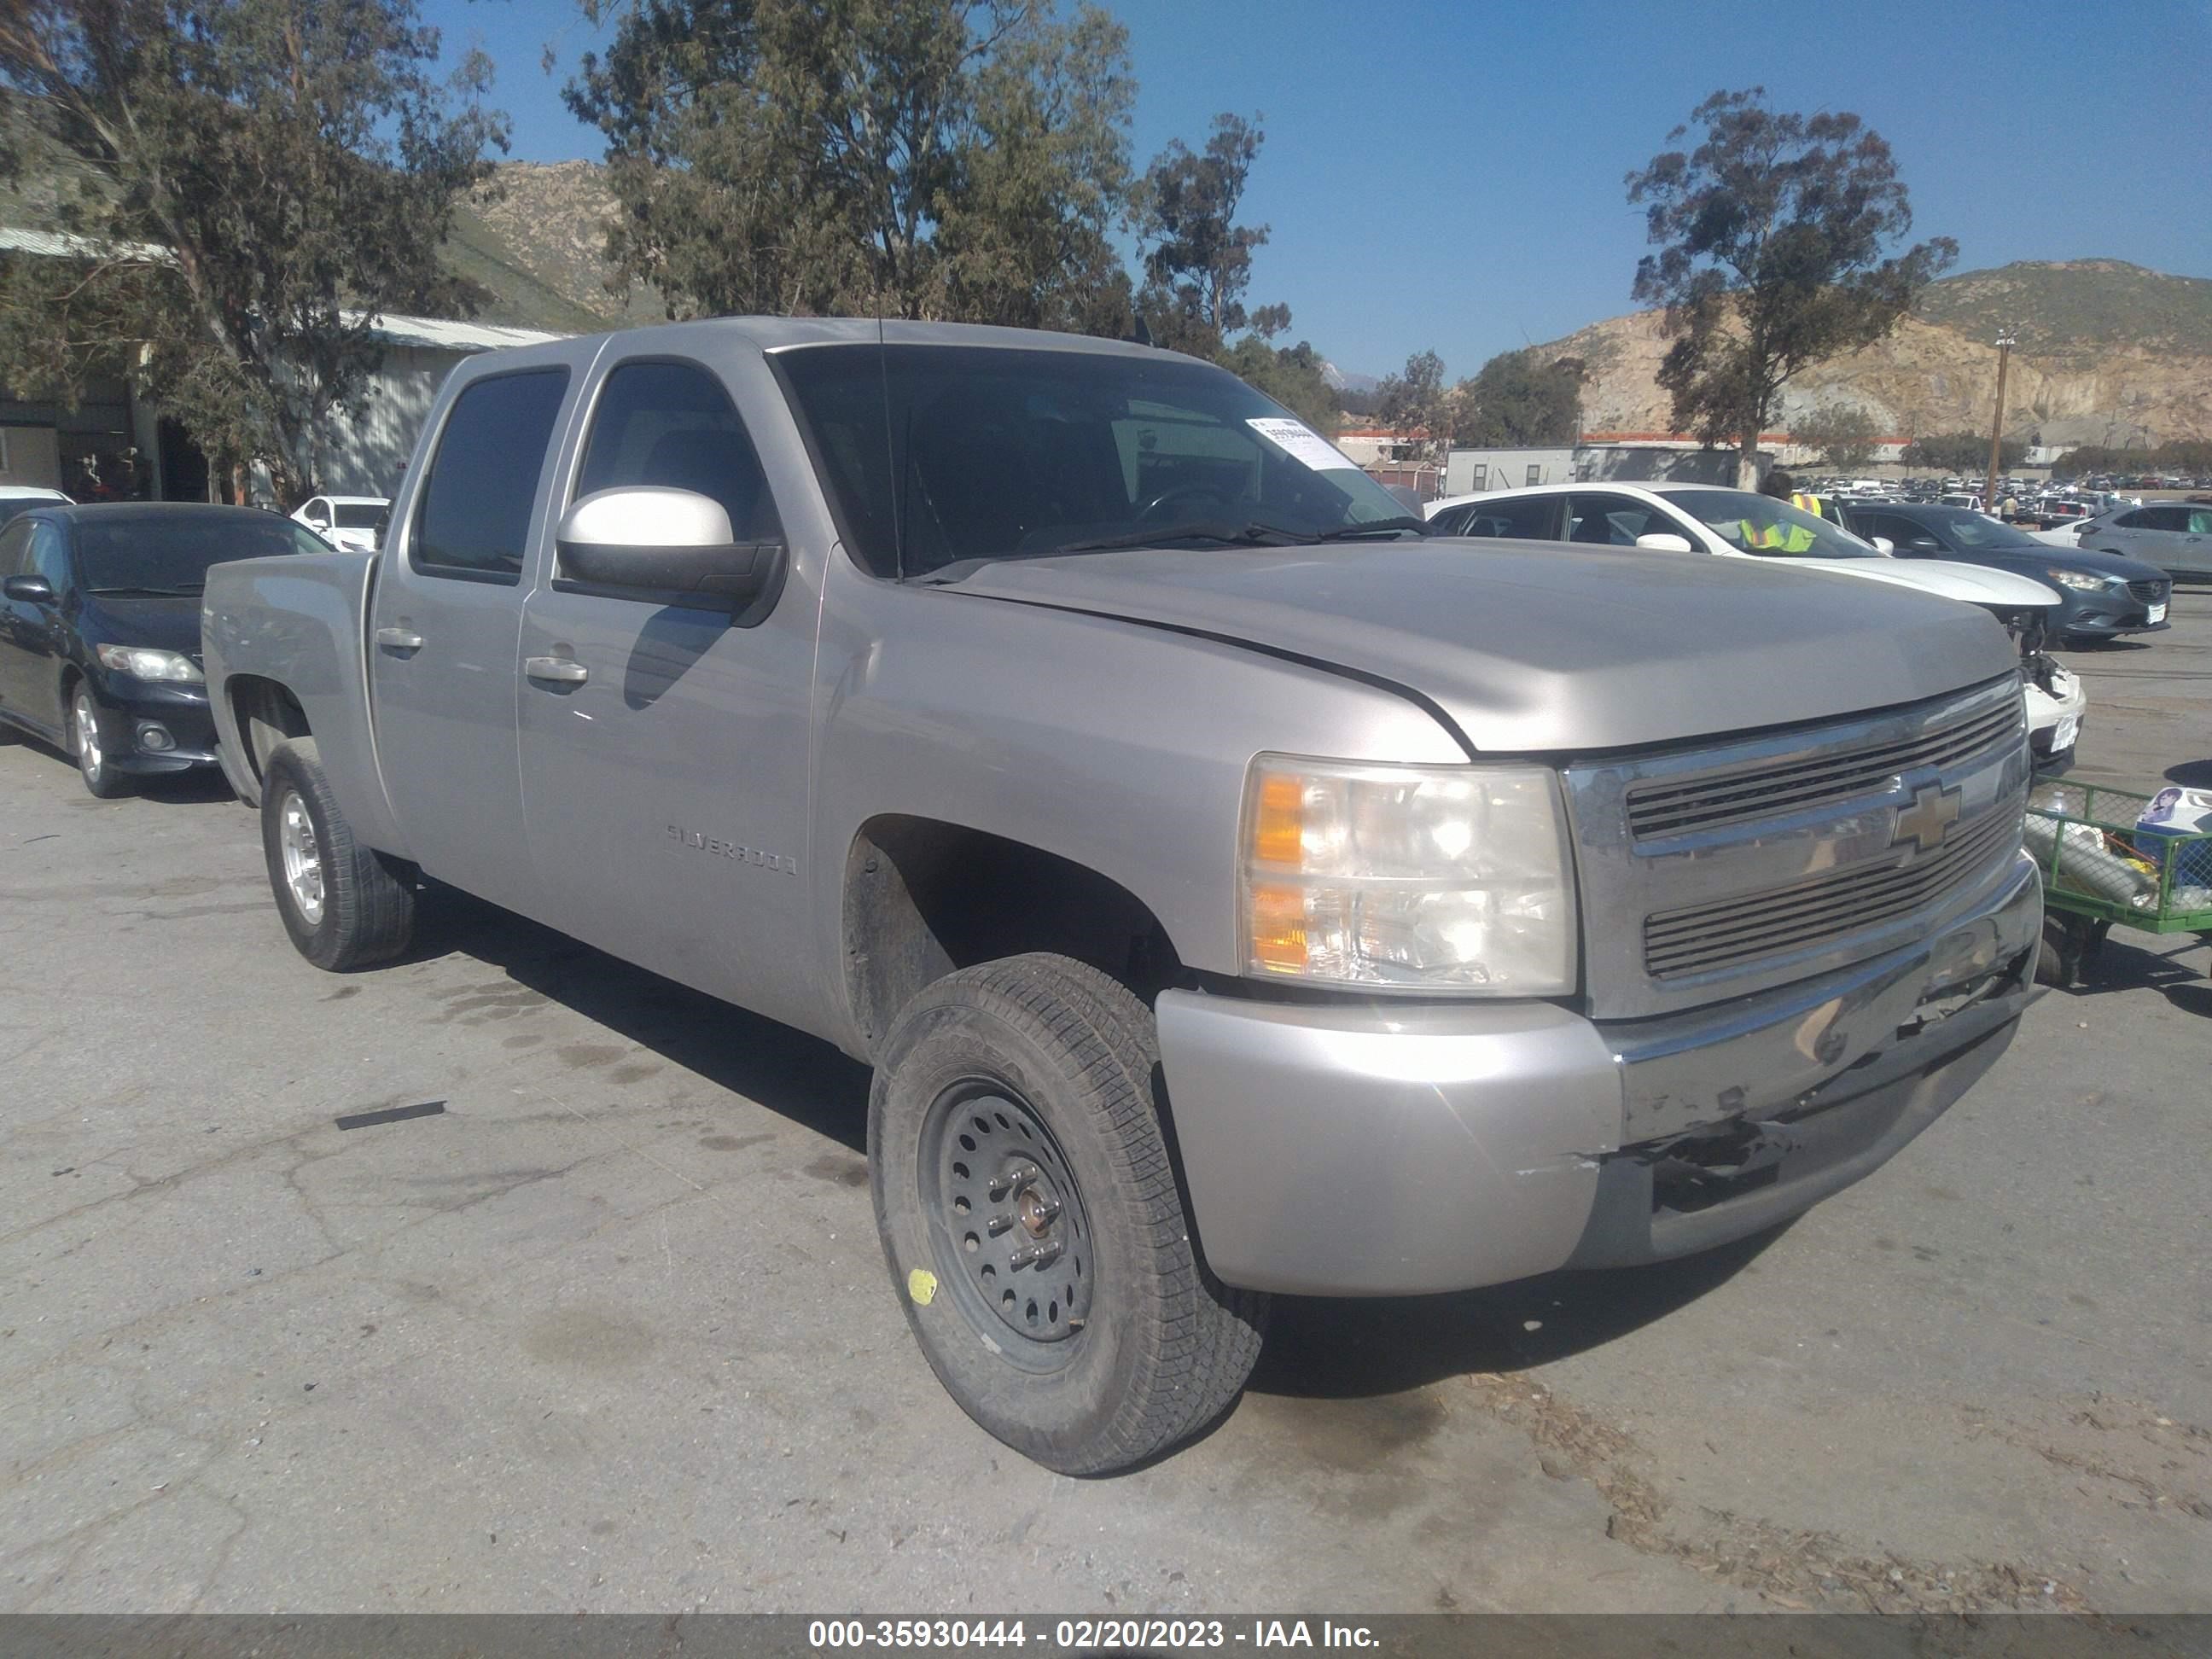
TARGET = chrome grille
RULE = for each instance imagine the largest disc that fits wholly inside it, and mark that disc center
(1710, 801)
(2149, 592)
(1704, 937)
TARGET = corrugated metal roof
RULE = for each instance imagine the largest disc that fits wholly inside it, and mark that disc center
(442, 334)
(56, 245)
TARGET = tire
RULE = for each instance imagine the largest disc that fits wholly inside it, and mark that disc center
(1123, 1345)
(360, 912)
(99, 776)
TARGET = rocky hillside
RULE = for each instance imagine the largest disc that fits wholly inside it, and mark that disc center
(548, 220)
(2108, 353)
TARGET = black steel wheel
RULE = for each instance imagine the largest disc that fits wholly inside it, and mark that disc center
(1033, 1223)
(1005, 1211)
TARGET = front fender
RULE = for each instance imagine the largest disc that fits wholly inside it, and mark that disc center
(1120, 746)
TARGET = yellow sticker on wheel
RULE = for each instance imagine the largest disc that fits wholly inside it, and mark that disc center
(921, 1285)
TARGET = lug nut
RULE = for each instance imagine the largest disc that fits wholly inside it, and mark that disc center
(1034, 1254)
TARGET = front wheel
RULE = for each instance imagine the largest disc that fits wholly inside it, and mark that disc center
(1032, 1222)
(101, 779)
(342, 904)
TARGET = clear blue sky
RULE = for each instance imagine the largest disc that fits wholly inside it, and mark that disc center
(1448, 175)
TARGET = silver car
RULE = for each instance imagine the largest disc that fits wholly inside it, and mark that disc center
(2175, 536)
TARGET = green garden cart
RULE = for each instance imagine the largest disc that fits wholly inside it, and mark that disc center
(2108, 863)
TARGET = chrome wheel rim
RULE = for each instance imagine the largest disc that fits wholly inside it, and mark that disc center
(302, 856)
(87, 738)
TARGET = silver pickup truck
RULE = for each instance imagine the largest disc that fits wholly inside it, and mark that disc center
(1236, 890)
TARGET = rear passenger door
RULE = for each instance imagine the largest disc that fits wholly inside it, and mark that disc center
(664, 745)
(443, 666)
(2184, 542)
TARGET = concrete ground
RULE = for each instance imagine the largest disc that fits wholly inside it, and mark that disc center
(612, 1331)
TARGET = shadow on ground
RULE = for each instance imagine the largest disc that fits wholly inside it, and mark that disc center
(1317, 1348)
(1337, 1349)
(204, 786)
(2165, 962)
(796, 1076)
(2192, 775)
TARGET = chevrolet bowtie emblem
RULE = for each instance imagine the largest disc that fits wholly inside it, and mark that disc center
(1928, 819)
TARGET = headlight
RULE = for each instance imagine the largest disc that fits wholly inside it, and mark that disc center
(1408, 877)
(2077, 579)
(143, 662)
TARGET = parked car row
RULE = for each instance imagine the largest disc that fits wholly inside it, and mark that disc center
(2175, 536)
(99, 628)
(1238, 885)
(1681, 517)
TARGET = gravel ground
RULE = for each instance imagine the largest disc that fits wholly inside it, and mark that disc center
(612, 1331)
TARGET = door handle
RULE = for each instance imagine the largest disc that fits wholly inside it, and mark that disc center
(399, 639)
(559, 671)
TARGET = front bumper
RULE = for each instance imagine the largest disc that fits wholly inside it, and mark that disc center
(133, 714)
(1334, 1150)
(2055, 720)
(2107, 614)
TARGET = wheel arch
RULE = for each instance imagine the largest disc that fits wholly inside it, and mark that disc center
(923, 897)
(265, 712)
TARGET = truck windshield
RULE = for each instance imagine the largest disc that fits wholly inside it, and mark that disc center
(1771, 529)
(941, 455)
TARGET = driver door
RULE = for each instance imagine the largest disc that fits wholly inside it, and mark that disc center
(665, 748)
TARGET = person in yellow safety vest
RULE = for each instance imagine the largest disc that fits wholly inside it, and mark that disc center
(1782, 538)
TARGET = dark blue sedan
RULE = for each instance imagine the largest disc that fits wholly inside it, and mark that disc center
(100, 628)
(2105, 595)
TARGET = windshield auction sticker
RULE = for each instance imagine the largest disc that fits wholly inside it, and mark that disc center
(1301, 443)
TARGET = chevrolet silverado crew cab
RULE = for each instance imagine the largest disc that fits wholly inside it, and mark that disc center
(1236, 890)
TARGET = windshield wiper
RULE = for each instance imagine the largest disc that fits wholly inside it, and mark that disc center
(150, 593)
(1351, 532)
(1223, 533)
(1253, 533)
(1228, 533)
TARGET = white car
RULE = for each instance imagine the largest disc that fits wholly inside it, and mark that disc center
(349, 523)
(1683, 518)
(22, 498)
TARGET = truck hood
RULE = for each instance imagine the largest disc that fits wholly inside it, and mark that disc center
(1537, 648)
(1974, 583)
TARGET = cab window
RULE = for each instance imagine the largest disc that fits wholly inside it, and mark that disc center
(474, 520)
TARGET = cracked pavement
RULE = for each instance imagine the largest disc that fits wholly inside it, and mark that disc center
(612, 1331)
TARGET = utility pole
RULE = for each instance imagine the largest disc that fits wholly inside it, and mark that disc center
(2005, 341)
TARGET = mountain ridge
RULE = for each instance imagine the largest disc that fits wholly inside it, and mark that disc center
(2109, 352)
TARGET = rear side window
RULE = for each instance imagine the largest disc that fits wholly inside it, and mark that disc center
(474, 521)
(1530, 520)
(672, 424)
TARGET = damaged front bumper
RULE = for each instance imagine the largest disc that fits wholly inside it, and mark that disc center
(1335, 1149)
